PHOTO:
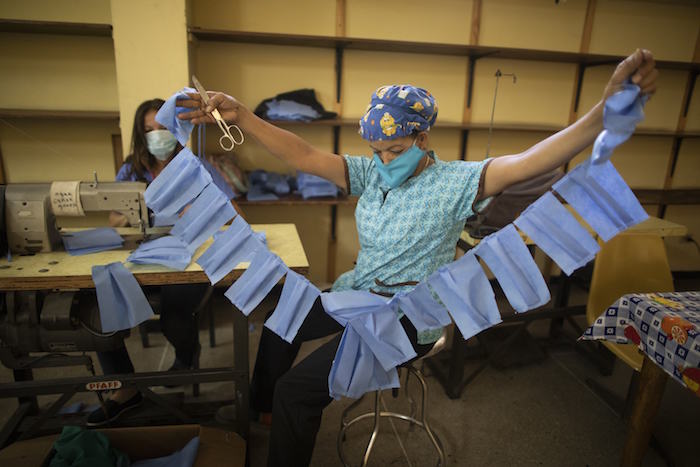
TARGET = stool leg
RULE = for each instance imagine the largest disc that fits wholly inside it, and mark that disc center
(375, 432)
(424, 419)
(411, 401)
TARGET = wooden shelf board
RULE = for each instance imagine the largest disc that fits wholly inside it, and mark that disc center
(55, 27)
(62, 114)
(420, 47)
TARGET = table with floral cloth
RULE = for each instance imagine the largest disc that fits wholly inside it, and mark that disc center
(665, 327)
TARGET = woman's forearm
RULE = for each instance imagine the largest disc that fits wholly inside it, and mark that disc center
(564, 145)
(546, 155)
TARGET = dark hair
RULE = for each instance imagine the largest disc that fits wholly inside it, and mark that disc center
(140, 159)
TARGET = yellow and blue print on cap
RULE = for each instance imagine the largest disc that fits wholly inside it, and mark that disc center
(398, 110)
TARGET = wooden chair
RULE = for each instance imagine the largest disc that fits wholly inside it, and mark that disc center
(628, 263)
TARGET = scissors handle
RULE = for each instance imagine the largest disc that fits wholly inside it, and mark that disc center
(227, 141)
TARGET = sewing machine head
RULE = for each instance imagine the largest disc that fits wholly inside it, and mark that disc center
(31, 209)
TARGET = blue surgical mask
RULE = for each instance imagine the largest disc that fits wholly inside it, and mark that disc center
(160, 143)
(397, 171)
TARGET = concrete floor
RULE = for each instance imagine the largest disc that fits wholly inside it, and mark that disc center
(542, 414)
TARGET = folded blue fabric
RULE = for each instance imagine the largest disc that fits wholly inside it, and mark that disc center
(91, 241)
(160, 220)
(387, 339)
(298, 296)
(177, 185)
(601, 197)
(167, 116)
(265, 270)
(422, 309)
(185, 457)
(231, 246)
(622, 111)
(290, 111)
(373, 343)
(205, 216)
(346, 305)
(510, 261)
(312, 186)
(259, 193)
(167, 251)
(356, 370)
(120, 298)
(466, 292)
(552, 227)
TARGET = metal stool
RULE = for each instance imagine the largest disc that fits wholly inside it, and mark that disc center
(377, 413)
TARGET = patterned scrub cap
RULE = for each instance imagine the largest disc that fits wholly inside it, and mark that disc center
(398, 110)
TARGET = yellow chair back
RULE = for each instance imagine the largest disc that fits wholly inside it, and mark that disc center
(629, 263)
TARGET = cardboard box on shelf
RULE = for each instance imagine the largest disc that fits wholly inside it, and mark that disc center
(216, 446)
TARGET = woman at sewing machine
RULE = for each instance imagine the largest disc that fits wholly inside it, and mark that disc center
(411, 209)
(152, 148)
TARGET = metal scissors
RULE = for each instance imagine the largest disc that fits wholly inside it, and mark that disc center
(227, 141)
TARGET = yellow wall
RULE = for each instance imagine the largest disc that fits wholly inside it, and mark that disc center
(669, 29)
(150, 48)
(42, 150)
(534, 24)
(77, 11)
(149, 55)
(316, 17)
(540, 95)
(45, 71)
(414, 20)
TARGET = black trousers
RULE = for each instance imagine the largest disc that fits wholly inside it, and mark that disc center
(178, 323)
(297, 396)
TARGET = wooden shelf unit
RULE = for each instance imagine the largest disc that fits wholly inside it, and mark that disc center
(55, 27)
(60, 114)
(475, 51)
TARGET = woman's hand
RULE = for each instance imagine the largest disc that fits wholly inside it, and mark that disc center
(640, 68)
(229, 108)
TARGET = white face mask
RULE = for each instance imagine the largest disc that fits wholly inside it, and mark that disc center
(160, 143)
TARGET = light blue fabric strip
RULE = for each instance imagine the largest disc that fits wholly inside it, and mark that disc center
(265, 270)
(232, 246)
(382, 331)
(356, 370)
(161, 220)
(552, 227)
(510, 261)
(298, 296)
(206, 215)
(622, 111)
(167, 116)
(184, 457)
(177, 185)
(422, 309)
(466, 292)
(373, 343)
(91, 241)
(601, 197)
(167, 251)
(349, 304)
(120, 298)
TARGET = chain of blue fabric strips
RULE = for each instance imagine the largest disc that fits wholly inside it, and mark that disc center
(374, 342)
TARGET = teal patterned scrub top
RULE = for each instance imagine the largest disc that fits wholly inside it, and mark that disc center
(407, 233)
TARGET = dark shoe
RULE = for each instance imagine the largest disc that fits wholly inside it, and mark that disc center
(112, 410)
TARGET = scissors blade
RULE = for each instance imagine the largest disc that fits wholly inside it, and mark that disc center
(201, 90)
